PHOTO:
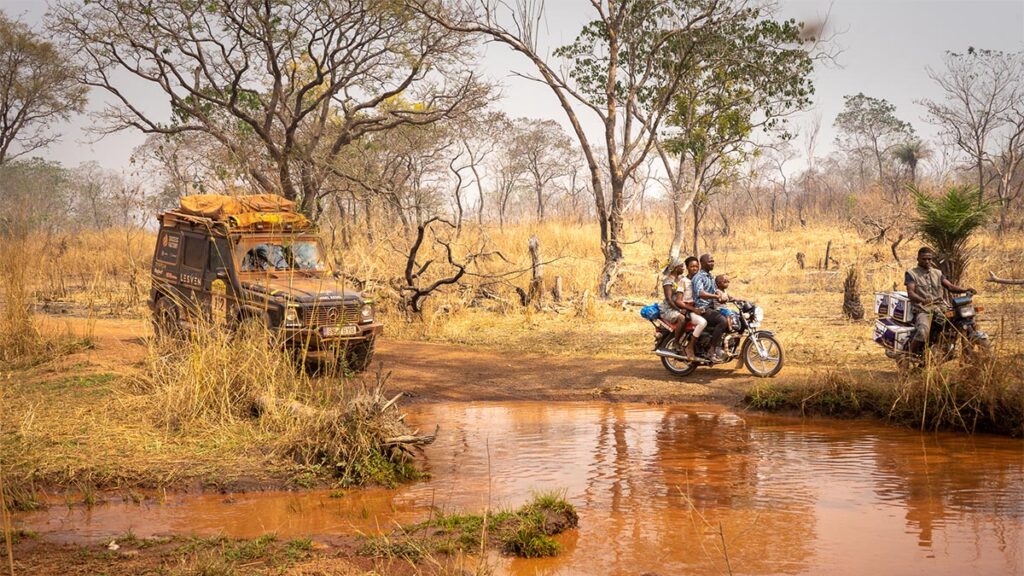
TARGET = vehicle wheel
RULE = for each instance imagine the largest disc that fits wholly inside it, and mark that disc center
(675, 367)
(359, 355)
(166, 319)
(763, 365)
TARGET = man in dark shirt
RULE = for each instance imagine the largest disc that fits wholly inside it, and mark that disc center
(925, 285)
(704, 293)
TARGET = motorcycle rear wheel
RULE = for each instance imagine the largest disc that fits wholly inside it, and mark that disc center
(675, 367)
(767, 366)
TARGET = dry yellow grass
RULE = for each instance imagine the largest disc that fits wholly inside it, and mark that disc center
(101, 271)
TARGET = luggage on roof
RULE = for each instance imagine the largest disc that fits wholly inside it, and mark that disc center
(222, 207)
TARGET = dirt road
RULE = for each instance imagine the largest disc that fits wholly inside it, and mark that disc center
(429, 372)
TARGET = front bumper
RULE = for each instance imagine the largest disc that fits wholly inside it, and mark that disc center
(313, 340)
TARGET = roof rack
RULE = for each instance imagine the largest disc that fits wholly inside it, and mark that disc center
(246, 222)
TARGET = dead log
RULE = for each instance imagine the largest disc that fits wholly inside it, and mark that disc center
(1008, 281)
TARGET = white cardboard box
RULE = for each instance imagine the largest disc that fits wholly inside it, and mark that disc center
(900, 308)
(893, 335)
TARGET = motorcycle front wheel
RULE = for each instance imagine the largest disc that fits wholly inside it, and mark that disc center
(675, 367)
(767, 361)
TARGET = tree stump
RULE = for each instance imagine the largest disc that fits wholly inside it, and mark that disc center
(556, 292)
(800, 259)
(852, 308)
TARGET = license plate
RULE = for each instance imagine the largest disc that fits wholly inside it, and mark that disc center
(339, 330)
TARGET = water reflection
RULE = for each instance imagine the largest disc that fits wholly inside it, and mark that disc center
(667, 490)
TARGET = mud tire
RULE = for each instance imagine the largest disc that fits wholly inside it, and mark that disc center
(166, 319)
(670, 364)
(359, 355)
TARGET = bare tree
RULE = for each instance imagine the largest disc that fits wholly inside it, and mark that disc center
(984, 95)
(869, 128)
(298, 82)
(508, 171)
(545, 150)
(38, 87)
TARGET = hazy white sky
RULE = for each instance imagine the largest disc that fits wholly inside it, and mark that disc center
(886, 47)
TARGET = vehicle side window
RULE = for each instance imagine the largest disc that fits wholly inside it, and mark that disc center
(168, 247)
(195, 255)
(220, 256)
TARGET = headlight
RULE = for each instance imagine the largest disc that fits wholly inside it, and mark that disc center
(367, 311)
(291, 316)
(758, 314)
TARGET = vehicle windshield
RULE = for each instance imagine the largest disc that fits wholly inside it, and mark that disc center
(272, 255)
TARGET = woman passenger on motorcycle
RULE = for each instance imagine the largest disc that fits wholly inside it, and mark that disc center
(684, 299)
(676, 307)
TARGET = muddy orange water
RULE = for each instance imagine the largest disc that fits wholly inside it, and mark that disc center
(662, 489)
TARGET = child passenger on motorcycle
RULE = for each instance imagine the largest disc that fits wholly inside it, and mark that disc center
(722, 283)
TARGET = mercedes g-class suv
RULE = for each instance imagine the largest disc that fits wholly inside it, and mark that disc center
(225, 259)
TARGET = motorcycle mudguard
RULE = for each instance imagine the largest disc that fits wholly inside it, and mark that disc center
(763, 333)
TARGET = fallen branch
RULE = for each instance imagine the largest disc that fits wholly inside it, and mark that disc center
(1010, 281)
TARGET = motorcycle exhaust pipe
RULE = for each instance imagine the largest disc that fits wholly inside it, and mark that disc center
(670, 354)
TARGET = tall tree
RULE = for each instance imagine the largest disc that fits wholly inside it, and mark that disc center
(625, 55)
(869, 127)
(38, 88)
(982, 114)
(295, 82)
(749, 74)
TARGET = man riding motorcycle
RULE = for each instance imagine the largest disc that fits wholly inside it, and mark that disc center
(925, 285)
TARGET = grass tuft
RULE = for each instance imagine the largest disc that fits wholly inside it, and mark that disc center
(525, 532)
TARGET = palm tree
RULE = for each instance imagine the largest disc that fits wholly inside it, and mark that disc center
(909, 154)
(947, 223)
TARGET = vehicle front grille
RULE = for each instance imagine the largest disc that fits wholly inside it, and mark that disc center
(330, 315)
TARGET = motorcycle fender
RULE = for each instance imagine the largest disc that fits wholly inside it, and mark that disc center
(764, 333)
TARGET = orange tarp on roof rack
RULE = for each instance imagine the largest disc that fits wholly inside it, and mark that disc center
(273, 219)
(221, 207)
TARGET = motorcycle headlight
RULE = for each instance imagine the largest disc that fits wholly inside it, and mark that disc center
(291, 316)
(758, 314)
(367, 311)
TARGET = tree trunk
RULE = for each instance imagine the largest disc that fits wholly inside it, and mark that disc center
(368, 211)
(611, 248)
(678, 223)
(536, 294)
(696, 227)
(480, 190)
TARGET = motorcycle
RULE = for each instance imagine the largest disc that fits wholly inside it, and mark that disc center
(953, 333)
(760, 351)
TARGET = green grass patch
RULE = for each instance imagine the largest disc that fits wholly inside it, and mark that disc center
(525, 532)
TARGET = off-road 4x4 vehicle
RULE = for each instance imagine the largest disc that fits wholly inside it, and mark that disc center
(225, 259)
